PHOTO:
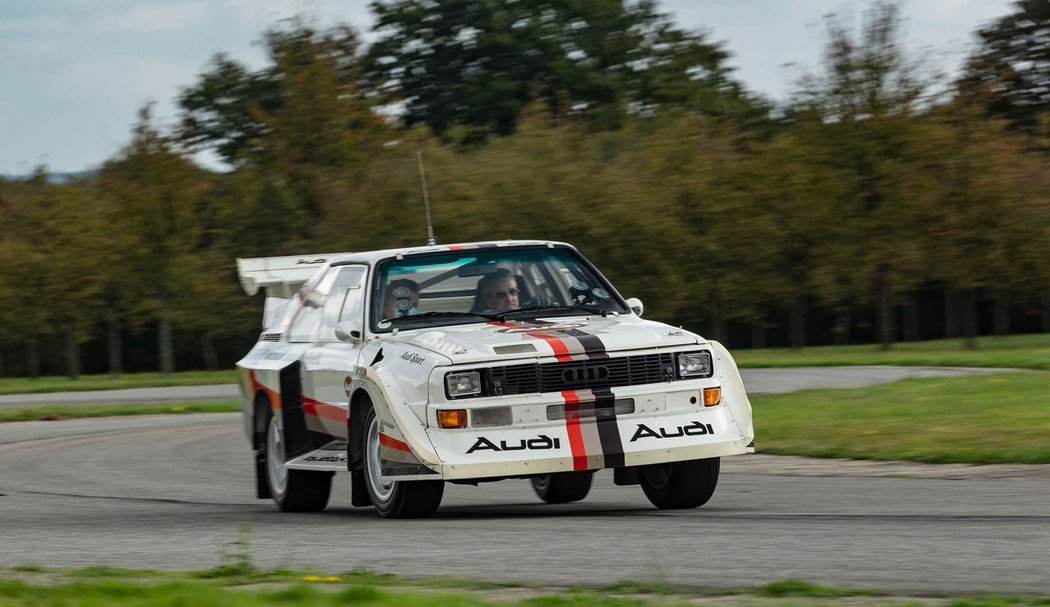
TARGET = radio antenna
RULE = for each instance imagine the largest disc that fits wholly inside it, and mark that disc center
(426, 200)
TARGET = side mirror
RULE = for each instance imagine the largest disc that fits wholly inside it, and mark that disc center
(348, 331)
(635, 305)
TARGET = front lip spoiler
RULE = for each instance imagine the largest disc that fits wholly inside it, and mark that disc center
(532, 467)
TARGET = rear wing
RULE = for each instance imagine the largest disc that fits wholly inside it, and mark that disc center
(280, 276)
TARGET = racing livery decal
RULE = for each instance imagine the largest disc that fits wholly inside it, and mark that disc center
(325, 418)
(396, 457)
(271, 395)
(541, 442)
(567, 340)
(594, 441)
(692, 429)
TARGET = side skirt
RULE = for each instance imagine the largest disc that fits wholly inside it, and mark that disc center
(331, 457)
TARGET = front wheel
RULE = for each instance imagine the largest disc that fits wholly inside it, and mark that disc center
(395, 499)
(292, 490)
(563, 487)
(686, 484)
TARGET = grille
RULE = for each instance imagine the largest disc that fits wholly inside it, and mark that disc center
(582, 375)
(270, 337)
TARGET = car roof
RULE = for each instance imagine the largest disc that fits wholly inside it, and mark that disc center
(373, 256)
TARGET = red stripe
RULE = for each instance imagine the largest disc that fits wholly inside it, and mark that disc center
(275, 399)
(455, 248)
(392, 442)
(561, 352)
(320, 409)
(572, 426)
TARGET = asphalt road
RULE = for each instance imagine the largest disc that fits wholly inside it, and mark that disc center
(170, 492)
(757, 381)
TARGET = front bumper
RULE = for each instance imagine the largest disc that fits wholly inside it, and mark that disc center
(663, 428)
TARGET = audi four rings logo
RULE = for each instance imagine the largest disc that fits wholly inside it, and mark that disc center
(577, 375)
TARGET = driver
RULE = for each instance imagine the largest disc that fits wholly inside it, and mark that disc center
(497, 291)
(401, 298)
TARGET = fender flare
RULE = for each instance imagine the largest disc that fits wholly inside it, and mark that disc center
(369, 390)
(733, 392)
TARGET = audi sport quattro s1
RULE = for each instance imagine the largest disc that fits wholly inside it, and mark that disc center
(410, 368)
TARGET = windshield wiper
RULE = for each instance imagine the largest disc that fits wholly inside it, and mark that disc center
(440, 314)
(536, 310)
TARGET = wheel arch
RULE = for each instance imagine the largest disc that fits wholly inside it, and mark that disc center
(360, 401)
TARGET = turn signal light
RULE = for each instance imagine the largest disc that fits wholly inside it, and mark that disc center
(452, 418)
(712, 396)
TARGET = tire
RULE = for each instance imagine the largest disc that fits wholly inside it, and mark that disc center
(686, 484)
(563, 487)
(291, 490)
(395, 499)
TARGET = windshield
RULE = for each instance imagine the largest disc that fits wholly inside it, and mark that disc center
(480, 285)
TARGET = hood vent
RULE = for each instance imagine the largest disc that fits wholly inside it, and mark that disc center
(514, 349)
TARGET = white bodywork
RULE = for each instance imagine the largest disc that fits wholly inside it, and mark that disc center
(564, 427)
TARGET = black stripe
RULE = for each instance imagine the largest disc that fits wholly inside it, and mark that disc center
(608, 429)
(592, 345)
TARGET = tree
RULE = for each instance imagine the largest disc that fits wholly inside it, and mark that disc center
(52, 286)
(1010, 70)
(857, 119)
(481, 63)
(155, 191)
(301, 109)
(223, 110)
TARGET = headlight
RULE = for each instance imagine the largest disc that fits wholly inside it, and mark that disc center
(463, 384)
(694, 364)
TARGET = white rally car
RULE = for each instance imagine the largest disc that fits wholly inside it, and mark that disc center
(410, 368)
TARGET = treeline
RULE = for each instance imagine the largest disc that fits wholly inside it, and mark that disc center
(881, 203)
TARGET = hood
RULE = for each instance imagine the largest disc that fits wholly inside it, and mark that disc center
(563, 337)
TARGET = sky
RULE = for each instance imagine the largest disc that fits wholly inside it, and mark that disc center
(74, 73)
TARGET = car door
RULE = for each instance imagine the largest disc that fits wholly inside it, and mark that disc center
(329, 364)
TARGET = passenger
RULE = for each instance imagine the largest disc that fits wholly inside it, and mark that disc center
(497, 292)
(401, 298)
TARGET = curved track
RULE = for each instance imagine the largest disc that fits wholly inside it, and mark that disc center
(172, 491)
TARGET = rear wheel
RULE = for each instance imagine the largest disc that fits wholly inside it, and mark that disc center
(395, 499)
(563, 487)
(292, 490)
(680, 484)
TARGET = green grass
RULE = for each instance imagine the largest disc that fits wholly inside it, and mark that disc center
(1015, 351)
(21, 385)
(57, 412)
(101, 586)
(796, 588)
(985, 419)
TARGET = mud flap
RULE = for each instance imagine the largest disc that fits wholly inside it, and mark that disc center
(262, 488)
(358, 493)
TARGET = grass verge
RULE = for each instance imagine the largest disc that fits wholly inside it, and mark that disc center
(21, 385)
(1015, 351)
(98, 586)
(57, 412)
(982, 419)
